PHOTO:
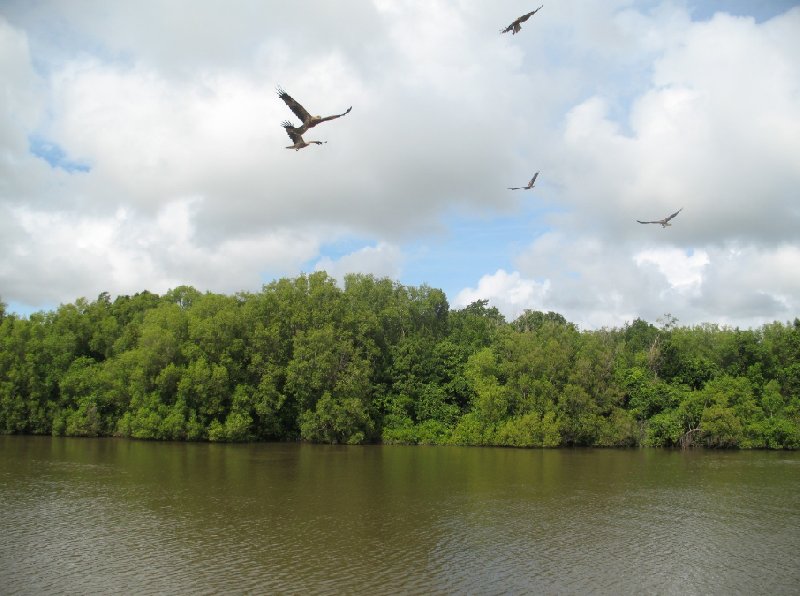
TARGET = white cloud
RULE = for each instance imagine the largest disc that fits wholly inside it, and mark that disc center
(19, 101)
(628, 108)
(714, 132)
(747, 284)
(381, 260)
(597, 284)
(510, 293)
(21, 105)
(61, 256)
(717, 131)
(684, 273)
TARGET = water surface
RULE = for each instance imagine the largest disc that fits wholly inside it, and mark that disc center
(116, 516)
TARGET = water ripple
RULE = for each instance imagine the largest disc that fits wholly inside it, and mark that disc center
(143, 518)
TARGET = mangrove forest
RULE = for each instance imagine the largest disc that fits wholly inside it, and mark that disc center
(372, 360)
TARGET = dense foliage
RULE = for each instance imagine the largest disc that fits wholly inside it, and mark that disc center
(378, 361)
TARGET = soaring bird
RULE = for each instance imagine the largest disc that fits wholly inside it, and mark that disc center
(530, 184)
(308, 121)
(297, 137)
(664, 222)
(516, 26)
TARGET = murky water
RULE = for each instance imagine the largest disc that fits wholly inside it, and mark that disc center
(129, 517)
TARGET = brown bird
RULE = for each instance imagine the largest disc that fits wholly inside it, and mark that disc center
(308, 121)
(516, 26)
(530, 184)
(664, 222)
(297, 137)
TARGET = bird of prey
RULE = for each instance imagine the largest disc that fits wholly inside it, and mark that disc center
(516, 26)
(297, 137)
(664, 222)
(308, 121)
(530, 184)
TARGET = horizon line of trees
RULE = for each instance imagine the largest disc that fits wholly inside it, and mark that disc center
(377, 361)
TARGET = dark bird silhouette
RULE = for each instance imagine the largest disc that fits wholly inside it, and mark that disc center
(516, 26)
(664, 222)
(530, 184)
(297, 137)
(308, 121)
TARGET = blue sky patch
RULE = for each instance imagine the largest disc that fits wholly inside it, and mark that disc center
(22, 309)
(762, 10)
(55, 155)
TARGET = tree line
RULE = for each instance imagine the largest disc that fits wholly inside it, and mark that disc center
(377, 361)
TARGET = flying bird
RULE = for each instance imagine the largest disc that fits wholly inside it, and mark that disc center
(530, 184)
(308, 121)
(516, 26)
(297, 137)
(664, 222)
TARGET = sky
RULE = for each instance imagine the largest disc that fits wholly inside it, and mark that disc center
(141, 148)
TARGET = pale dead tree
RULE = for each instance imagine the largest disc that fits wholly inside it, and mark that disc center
(653, 355)
(686, 438)
(668, 321)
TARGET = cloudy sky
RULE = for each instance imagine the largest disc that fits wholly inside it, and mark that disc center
(141, 148)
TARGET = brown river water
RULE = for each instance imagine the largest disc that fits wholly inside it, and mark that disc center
(108, 516)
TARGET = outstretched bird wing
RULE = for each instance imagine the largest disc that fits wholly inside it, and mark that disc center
(326, 118)
(525, 17)
(515, 26)
(674, 214)
(298, 110)
(293, 132)
(528, 187)
(662, 221)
